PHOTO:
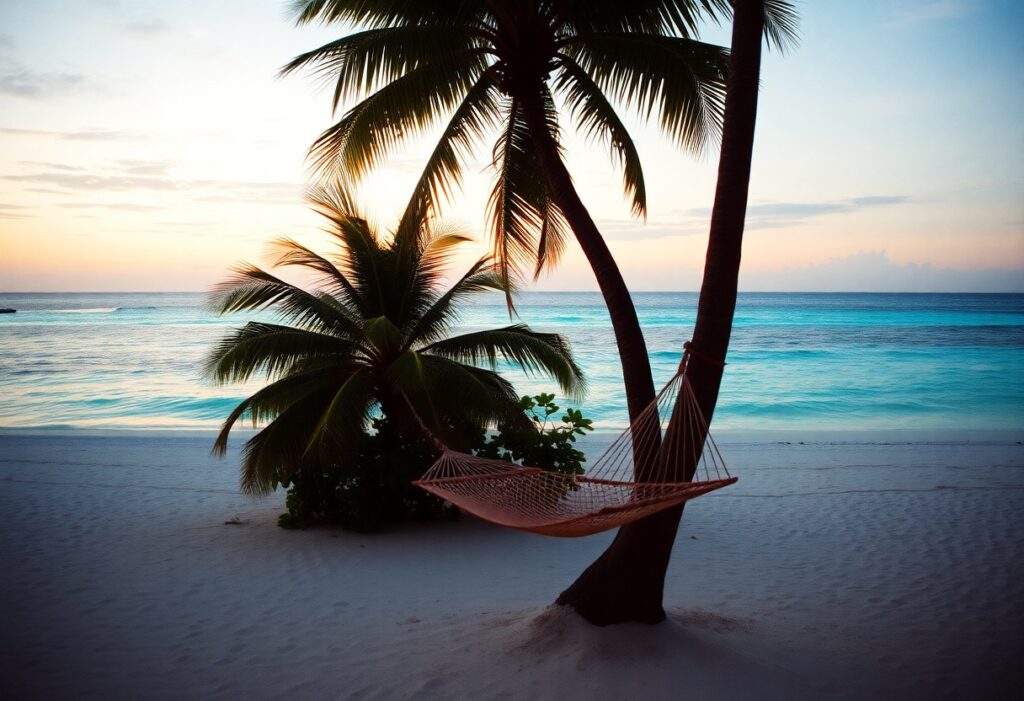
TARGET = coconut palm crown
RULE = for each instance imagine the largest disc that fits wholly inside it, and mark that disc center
(373, 338)
(487, 66)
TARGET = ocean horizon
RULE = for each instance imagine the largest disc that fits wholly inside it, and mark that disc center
(798, 361)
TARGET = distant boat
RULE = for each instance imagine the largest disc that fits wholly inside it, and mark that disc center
(7, 311)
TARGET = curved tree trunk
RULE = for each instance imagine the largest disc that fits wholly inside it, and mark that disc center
(626, 582)
(636, 365)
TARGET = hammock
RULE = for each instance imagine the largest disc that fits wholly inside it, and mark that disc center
(638, 475)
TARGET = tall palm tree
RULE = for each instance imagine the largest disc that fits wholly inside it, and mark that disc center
(627, 581)
(374, 337)
(497, 66)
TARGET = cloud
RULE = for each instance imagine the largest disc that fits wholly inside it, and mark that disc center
(99, 135)
(50, 165)
(100, 183)
(874, 271)
(122, 206)
(13, 211)
(125, 174)
(155, 176)
(765, 215)
(259, 192)
(878, 200)
(45, 191)
(20, 81)
(184, 224)
(147, 28)
(635, 230)
(77, 135)
(773, 215)
(6, 41)
(139, 167)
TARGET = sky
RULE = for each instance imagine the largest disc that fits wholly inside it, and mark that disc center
(151, 145)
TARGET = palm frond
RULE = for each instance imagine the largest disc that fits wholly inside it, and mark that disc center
(420, 271)
(361, 252)
(436, 255)
(408, 105)
(268, 402)
(275, 453)
(435, 321)
(680, 17)
(251, 289)
(293, 253)
(478, 114)
(382, 334)
(379, 13)
(361, 63)
(781, 24)
(552, 238)
(527, 227)
(333, 199)
(534, 352)
(271, 349)
(598, 119)
(477, 396)
(346, 416)
(680, 80)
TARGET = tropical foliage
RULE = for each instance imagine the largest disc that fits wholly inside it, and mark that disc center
(486, 70)
(376, 487)
(548, 441)
(373, 339)
(370, 488)
(482, 68)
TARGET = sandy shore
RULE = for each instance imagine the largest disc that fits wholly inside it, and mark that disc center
(832, 570)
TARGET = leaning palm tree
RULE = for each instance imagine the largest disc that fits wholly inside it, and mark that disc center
(373, 339)
(627, 581)
(497, 67)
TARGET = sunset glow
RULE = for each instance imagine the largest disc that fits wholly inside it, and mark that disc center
(148, 147)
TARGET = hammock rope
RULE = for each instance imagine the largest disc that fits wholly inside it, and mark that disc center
(642, 472)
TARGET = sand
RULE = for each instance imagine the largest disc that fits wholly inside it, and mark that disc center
(832, 570)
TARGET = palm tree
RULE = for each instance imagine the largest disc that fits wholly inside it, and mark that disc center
(626, 582)
(373, 338)
(497, 66)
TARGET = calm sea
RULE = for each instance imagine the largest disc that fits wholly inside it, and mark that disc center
(797, 361)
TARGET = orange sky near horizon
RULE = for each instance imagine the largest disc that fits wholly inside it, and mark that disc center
(151, 148)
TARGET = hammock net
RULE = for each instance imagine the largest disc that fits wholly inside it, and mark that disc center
(643, 471)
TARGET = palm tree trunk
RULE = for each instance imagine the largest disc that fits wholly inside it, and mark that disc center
(626, 582)
(636, 365)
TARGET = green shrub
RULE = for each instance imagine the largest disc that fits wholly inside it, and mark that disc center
(543, 443)
(376, 487)
(369, 491)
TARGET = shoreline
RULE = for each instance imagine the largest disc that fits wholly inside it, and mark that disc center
(600, 437)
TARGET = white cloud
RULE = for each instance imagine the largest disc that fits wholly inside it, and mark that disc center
(18, 81)
(761, 215)
(873, 271)
(147, 28)
(77, 135)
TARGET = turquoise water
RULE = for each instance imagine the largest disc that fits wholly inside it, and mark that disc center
(797, 361)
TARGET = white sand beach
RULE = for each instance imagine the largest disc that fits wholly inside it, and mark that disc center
(133, 568)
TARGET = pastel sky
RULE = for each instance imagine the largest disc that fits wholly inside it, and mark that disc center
(149, 145)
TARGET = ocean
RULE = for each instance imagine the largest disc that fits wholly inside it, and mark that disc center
(798, 361)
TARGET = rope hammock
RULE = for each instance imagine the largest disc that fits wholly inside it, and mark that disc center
(640, 473)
